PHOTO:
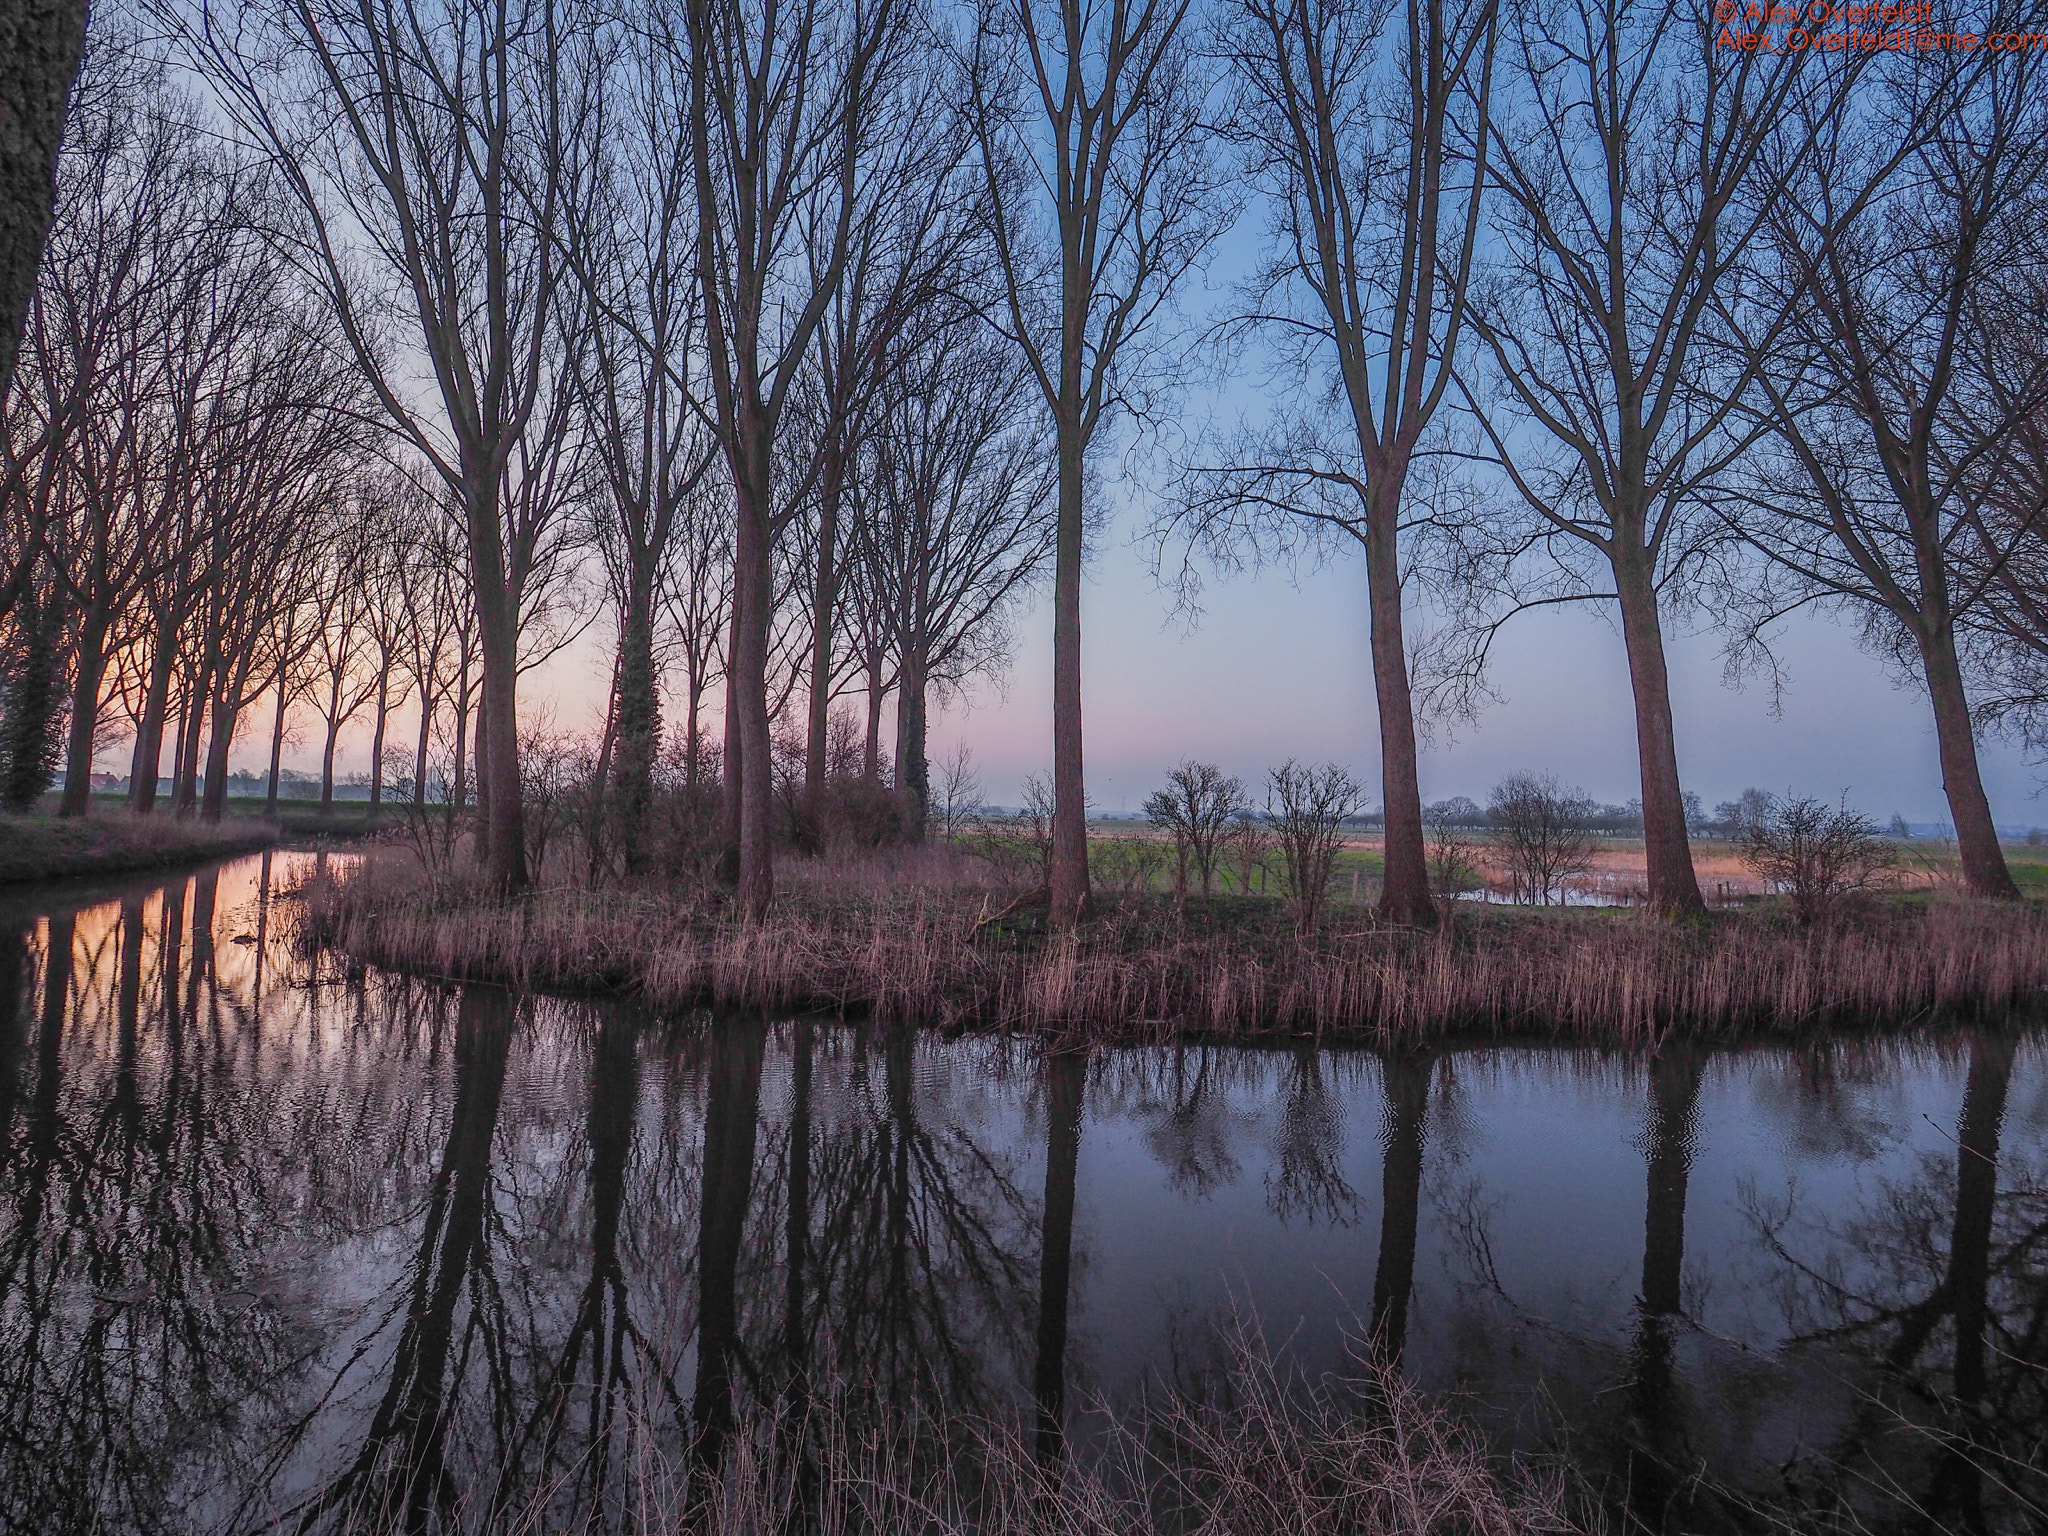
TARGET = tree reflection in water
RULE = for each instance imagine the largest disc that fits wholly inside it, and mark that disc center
(299, 1248)
(1950, 1303)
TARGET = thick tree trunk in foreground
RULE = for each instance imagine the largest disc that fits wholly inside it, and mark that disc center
(1405, 895)
(1962, 780)
(147, 759)
(1674, 886)
(91, 666)
(824, 604)
(637, 713)
(747, 687)
(40, 45)
(913, 770)
(1070, 897)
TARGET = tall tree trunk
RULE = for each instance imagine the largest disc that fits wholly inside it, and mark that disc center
(481, 848)
(419, 763)
(1069, 872)
(824, 609)
(913, 772)
(458, 795)
(377, 736)
(147, 760)
(747, 682)
(213, 803)
(497, 737)
(327, 750)
(185, 793)
(41, 42)
(1404, 893)
(1984, 867)
(731, 790)
(871, 749)
(90, 667)
(693, 732)
(1674, 886)
(638, 714)
(276, 750)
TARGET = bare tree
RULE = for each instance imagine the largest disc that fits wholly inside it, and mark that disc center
(1633, 179)
(1196, 810)
(953, 530)
(912, 235)
(345, 679)
(633, 251)
(1307, 807)
(426, 143)
(785, 99)
(1544, 833)
(1816, 853)
(1370, 139)
(1087, 118)
(696, 591)
(1892, 413)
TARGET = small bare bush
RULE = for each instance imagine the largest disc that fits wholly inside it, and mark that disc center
(1195, 810)
(1816, 853)
(1020, 847)
(1543, 833)
(1452, 854)
(956, 801)
(1125, 866)
(1307, 807)
(1249, 849)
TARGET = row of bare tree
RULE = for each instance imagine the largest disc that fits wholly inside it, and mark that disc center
(819, 319)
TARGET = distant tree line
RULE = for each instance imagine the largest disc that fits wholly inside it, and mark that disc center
(376, 353)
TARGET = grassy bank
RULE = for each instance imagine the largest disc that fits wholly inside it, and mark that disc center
(956, 956)
(47, 848)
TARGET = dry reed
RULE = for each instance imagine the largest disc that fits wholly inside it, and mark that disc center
(931, 956)
(1261, 1452)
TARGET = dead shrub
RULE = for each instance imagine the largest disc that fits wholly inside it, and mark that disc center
(1544, 833)
(1307, 807)
(1816, 853)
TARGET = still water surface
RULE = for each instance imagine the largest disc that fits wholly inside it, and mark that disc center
(269, 1226)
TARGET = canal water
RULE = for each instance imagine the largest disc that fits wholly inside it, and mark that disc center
(272, 1226)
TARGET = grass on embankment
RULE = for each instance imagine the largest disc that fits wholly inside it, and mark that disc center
(49, 848)
(933, 955)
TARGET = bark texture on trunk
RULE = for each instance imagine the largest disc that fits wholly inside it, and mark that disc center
(747, 684)
(90, 668)
(1404, 896)
(913, 769)
(1674, 885)
(637, 715)
(41, 42)
(147, 759)
(1069, 874)
(1962, 781)
(824, 607)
